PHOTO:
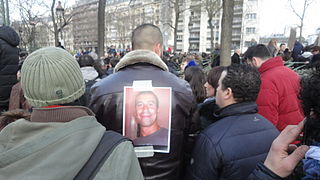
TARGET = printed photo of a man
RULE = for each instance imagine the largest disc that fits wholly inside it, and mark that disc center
(149, 131)
(147, 118)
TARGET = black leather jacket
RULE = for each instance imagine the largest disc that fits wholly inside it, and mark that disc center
(107, 103)
(9, 63)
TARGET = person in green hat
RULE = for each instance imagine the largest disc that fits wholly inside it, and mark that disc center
(61, 136)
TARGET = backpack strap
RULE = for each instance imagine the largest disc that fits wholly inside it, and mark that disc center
(105, 147)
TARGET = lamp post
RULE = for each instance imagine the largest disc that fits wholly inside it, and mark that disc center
(60, 16)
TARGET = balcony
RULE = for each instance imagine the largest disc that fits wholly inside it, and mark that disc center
(194, 39)
(194, 29)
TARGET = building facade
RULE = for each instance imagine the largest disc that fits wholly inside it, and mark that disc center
(122, 16)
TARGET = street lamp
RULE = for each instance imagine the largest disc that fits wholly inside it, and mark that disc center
(60, 16)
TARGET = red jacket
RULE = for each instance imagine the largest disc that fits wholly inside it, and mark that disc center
(278, 97)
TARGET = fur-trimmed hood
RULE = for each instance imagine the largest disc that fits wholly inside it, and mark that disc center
(139, 56)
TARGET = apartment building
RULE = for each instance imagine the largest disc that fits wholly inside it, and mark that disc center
(194, 32)
(85, 25)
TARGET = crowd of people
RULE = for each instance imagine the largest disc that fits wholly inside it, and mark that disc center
(63, 117)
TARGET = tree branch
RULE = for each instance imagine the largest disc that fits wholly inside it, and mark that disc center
(294, 11)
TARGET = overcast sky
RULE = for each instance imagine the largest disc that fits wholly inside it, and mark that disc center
(276, 15)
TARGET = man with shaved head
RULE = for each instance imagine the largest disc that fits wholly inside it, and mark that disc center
(144, 63)
(147, 36)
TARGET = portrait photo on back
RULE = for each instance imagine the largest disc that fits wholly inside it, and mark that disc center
(147, 117)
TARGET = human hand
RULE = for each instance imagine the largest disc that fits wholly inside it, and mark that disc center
(278, 159)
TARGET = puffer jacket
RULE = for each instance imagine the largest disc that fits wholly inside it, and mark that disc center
(278, 97)
(107, 103)
(261, 172)
(9, 63)
(231, 147)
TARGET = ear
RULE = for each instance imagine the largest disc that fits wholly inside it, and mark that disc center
(256, 62)
(228, 94)
(157, 49)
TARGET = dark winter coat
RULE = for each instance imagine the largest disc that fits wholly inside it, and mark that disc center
(261, 172)
(231, 147)
(9, 63)
(278, 97)
(206, 110)
(297, 50)
(107, 104)
(235, 58)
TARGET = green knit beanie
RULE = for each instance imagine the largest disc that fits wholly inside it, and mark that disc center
(51, 76)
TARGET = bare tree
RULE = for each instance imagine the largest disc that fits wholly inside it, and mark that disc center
(55, 26)
(301, 16)
(292, 38)
(212, 7)
(65, 19)
(7, 13)
(101, 26)
(226, 32)
(3, 12)
(178, 7)
(29, 19)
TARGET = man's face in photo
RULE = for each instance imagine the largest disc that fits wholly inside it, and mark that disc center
(146, 109)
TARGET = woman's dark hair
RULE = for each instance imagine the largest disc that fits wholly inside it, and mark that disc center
(214, 76)
(196, 78)
(97, 66)
(310, 96)
(114, 62)
(85, 60)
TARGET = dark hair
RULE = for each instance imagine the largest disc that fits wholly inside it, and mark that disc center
(196, 78)
(244, 81)
(315, 48)
(97, 66)
(260, 51)
(85, 60)
(114, 62)
(106, 60)
(214, 76)
(146, 36)
(282, 44)
(148, 92)
(310, 93)
(310, 96)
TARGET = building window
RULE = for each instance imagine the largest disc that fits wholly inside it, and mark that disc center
(250, 30)
(251, 16)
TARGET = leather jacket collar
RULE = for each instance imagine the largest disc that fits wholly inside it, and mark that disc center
(141, 56)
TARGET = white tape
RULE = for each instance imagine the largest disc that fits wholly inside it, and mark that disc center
(144, 151)
(145, 85)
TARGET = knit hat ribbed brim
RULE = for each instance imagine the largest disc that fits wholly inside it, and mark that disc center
(51, 76)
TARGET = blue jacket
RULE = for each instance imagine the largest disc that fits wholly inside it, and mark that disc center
(231, 147)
